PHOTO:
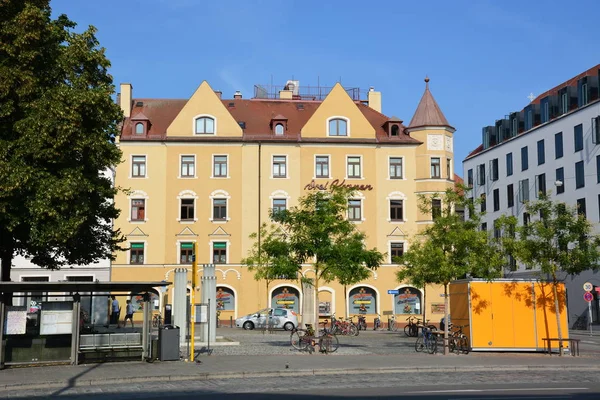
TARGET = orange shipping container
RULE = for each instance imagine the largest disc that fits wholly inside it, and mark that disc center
(508, 314)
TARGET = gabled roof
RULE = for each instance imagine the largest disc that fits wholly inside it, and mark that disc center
(428, 112)
(257, 115)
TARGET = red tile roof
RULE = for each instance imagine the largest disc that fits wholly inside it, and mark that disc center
(428, 111)
(257, 115)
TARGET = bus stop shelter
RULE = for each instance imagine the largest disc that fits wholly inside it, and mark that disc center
(54, 331)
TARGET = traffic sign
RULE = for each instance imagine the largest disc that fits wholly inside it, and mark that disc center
(587, 296)
(588, 287)
(392, 291)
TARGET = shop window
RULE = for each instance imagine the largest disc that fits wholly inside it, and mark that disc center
(408, 301)
(362, 300)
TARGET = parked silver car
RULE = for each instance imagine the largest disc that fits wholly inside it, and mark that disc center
(278, 318)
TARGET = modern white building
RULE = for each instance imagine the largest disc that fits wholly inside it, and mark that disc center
(552, 145)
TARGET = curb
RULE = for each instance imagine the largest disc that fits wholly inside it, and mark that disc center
(286, 373)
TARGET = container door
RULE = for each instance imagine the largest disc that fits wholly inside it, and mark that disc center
(481, 315)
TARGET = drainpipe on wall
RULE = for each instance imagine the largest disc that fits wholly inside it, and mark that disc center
(259, 206)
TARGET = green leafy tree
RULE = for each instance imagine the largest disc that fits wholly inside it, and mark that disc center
(450, 248)
(319, 232)
(557, 241)
(57, 124)
(266, 267)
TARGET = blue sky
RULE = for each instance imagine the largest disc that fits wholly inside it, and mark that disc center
(484, 57)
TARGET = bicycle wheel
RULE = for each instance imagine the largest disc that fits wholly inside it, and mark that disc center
(407, 329)
(352, 330)
(431, 343)
(419, 344)
(394, 326)
(298, 339)
(328, 343)
(464, 344)
(414, 330)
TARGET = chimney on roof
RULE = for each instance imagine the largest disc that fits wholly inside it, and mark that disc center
(218, 93)
(125, 98)
(374, 99)
(237, 94)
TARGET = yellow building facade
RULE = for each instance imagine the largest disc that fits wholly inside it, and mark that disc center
(207, 171)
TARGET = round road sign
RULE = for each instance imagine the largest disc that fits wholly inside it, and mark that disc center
(588, 287)
(587, 296)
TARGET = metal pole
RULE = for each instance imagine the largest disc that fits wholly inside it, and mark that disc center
(208, 336)
(590, 315)
(192, 302)
(2, 316)
(75, 329)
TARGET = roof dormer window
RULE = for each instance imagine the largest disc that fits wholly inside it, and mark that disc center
(279, 129)
(395, 130)
(279, 124)
(140, 129)
(139, 124)
(337, 127)
(204, 126)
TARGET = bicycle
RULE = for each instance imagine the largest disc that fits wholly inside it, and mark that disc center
(459, 342)
(306, 339)
(427, 341)
(157, 321)
(414, 323)
(392, 326)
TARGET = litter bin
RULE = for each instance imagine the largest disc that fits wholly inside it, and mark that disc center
(168, 343)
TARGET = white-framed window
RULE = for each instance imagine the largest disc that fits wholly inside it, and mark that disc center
(188, 166)
(279, 129)
(219, 200)
(219, 251)
(136, 252)
(436, 169)
(220, 166)
(138, 206)
(322, 167)
(396, 167)
(396, 250)
(354, 210)
(396, 207)
(205, 125)
(187, 206)
(186, 252)
(354, 167)
(138, 210)
(338, 126)
(138, 166)
(279, 168)
(279, 204)
(139, 128)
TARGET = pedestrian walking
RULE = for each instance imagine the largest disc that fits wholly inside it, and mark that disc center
(115, 310)
(128, 314)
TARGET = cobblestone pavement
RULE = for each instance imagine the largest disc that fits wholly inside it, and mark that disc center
(288, 386)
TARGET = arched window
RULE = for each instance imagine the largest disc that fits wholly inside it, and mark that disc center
(408, 301)
(225, 299)
(395, 130)
(286, 297)
(338, 127)
(205, 125)
(362, 300)
(279, 129)
(139, 128)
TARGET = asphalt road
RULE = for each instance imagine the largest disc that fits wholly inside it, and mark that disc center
(474, 385)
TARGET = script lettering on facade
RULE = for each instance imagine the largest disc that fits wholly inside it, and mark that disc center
(336, 183)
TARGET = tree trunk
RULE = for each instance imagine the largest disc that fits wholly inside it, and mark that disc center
(557, 312)
(446, 324)
(346, 301)
(6, 261)
(424, 305)
(316, 320)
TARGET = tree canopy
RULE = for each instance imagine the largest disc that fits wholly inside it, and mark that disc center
(450, 248)
(317, 231)
(57, 124)
(554, 239)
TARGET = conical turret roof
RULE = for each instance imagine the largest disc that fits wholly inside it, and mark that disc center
(428, 112)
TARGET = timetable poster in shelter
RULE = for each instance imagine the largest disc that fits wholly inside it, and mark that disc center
(408, 301)
(285, 297)
(225, 299)
(363, 301)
